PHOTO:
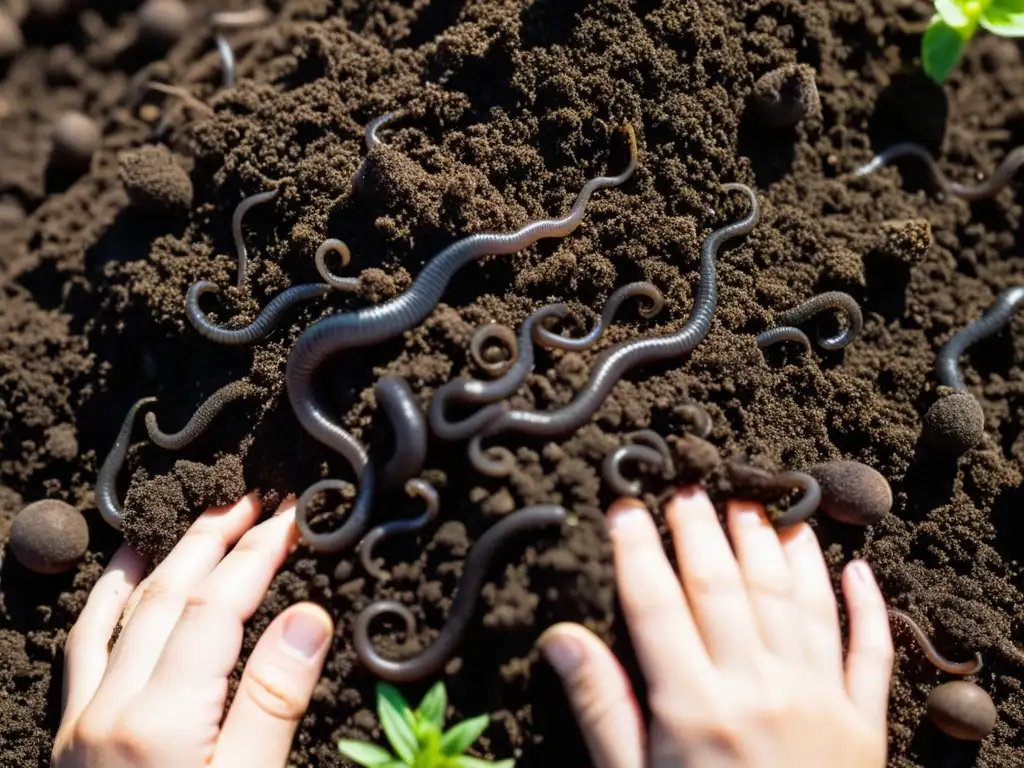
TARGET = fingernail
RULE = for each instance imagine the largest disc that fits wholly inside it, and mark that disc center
(564, 653)
(748, 516)
(861, 570)
(687, 492)
(305, 634)
(623, 514)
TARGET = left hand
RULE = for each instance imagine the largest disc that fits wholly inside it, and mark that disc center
(158, 698)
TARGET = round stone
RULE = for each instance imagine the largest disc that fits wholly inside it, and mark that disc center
(49, 536)
(75, 138)
(962, 710)
(852, 492)
(954, 423)
(163, 22)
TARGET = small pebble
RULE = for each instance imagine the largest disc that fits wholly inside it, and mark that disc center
(954, 423)
(75, 138)
(163, 22)
(786, 96)
(11, 39)
(852, 492)
(49, 536)
(962, 710)
(155, 181)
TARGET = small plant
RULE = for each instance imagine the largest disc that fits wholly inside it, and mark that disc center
(955, 23)
(418, 736)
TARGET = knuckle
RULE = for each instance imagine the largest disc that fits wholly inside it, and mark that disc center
(275, 695)
(711, 580)
(773, 586)
(153, 590)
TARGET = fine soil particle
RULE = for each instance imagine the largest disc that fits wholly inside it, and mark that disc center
(504, 109)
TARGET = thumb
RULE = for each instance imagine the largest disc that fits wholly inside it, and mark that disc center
(600, 694)
(275, 688)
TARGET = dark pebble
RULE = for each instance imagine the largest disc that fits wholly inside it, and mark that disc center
(962, 710)
(852, 492)
(954, 423)
(49, 536)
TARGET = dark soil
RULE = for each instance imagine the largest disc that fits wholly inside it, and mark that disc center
(507, 108)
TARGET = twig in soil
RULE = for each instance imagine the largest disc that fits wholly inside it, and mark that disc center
(930, 652)
(998, 315)
(188, 99)
(649, 450)
(373, 325)
(786, 330)
(616, 361)
(369, 542)
(201, 419)
(106, 481)
(340, 248)
(258, 328)
(652, 307)
(469, 391)
(410, 427)
(502, 334)
(463, 605)
(988, 188)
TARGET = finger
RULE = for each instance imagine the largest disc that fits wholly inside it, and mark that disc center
(159, 601)
(85, 650)
(600, 694)
(869, 662)
(767, 577)
(275, 688)
(815, 602)
(653, 604)
(712, 580)
(205, 643)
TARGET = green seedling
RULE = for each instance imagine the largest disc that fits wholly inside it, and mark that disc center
(955, 23)
(418, 736)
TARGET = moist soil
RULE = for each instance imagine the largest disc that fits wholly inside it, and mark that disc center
(505, 109)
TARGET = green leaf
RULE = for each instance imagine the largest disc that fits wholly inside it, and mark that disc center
(1004, 18)
(366, 755)
(465, 761)
(397, 721)
(941, 48)
(434, 705)
(459, 738)
(956, 13)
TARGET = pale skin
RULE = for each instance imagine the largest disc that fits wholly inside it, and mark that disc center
(741, 652)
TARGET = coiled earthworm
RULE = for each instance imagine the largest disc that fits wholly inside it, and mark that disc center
(614, 362)
(803, 508)
(258, 328)
(702, 423)
(106, 480)
(340, 248)
(227, 61)
(546, 338)
(995, 317)
(648, 449)
(201, 419)
(930, 652)
(473, 391)
(782, 333)
(803, 312)
(440, 651)
(988, 188)
(354, 527)
(420, 488)
(236, 229)
(409, 426)
(373, 325)
(503, 335)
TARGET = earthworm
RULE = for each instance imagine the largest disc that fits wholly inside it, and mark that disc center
(473, 391)
(473, 574)
(546, 338)
(420, 488)
(373, 325)
(782, 333)
(703, 425)
(649, 449)
(236, 228)
(258, 328)
(227, 61)
(201, 419)
(370, 137)
(804, 507)
(340, 248)
(498, 332)
(614, 362)
(353, 529)
(994, 318)
(238, 19)
(829, 300)
(930, 652)
(106, 480)
(988, 188)
(410, 428)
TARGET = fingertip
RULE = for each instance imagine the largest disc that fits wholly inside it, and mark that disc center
(685, 499)
(246, 507)
(306, 631)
